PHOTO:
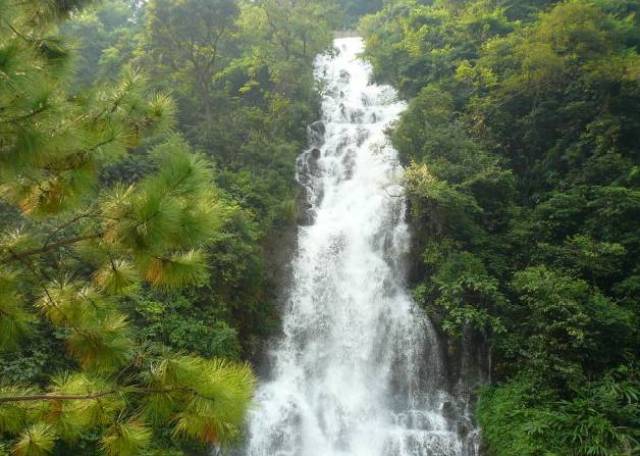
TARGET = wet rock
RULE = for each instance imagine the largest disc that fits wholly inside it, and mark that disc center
(449, 410)
(306, 213)
(345, 76)
(316, 132)
(331, 92)
(357, 116)
(363, 135)
(349, 161)
(312, 162)
(342, 145)
(309, 194)
(464, 429)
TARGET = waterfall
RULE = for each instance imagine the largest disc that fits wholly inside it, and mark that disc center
(358, 370)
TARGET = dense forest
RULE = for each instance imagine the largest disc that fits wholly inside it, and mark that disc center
(148, 203)
(521, 141)
(147, 160)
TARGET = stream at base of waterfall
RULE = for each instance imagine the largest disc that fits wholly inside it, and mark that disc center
(358, 370)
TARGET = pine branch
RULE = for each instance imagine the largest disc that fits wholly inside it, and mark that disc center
(51, 397)
(49, 247)
(26, 116)
(25, 261)
(94, 396)
(14, 30)
(70, 222)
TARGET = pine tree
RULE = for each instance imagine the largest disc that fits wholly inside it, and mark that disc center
(73, 247)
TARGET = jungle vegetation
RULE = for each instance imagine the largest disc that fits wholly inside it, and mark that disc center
(521, 142)
(147, 154)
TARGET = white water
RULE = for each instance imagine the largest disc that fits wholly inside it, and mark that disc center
(357, 370)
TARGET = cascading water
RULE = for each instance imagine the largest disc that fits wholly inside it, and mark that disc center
(358, 370)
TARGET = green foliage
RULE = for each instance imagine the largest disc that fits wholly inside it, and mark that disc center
(132, 267)
(211, 397)
(81, 248)
(15, 320)
(126, 439)
(352, 10)
(520, 142)
(105, 37)
(244, 81)
(241, 74)
(184, 326)
(37, 440)
(602, 419)
(462, 293)
(566, 324)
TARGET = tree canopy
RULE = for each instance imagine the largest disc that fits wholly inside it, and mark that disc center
(521, 141)
(147, 157)
(147, 194)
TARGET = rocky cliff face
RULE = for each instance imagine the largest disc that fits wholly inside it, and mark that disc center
(466, 359)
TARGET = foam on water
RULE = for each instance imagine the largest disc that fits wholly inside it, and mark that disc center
(358, 369)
